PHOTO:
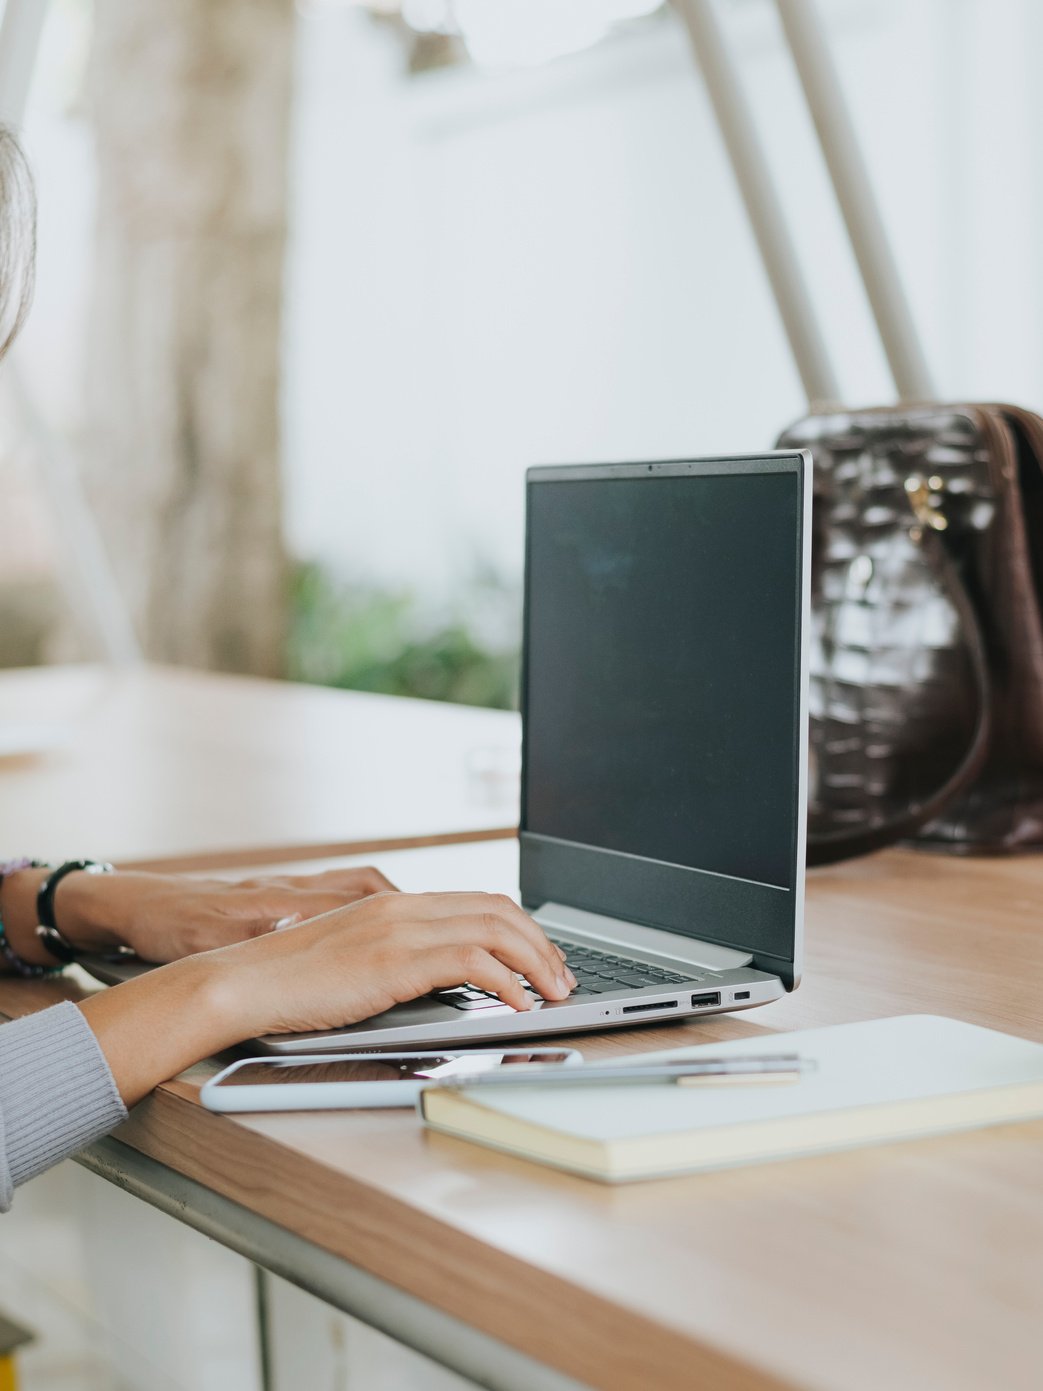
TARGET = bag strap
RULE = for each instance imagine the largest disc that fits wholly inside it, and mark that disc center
(841, 845)
(775, 242)
(803, 32)
(803, 28)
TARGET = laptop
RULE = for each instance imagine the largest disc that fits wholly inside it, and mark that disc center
(664, 750)
(664, 718)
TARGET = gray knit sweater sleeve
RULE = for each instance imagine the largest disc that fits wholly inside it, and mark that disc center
(57, 1093)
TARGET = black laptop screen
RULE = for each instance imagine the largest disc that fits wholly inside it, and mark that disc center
(661, 685)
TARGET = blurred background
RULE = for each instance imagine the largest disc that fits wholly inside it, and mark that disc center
(318, 281)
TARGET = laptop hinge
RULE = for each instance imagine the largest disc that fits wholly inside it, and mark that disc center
(637, 937)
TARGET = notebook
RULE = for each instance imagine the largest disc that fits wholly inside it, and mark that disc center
(876, 1082)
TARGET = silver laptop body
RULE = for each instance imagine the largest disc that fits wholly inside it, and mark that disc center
(664, 716)
(643, 581)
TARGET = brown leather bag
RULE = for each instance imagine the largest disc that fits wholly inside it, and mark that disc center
(927, 533)
(926, 691)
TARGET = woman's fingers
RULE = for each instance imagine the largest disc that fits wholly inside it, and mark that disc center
(272, 902)
(451, 966)
(510, 934)
(493, 922)
(545, 972)
(340, 884)
(359, 883)
(497, 925)
(408, 926)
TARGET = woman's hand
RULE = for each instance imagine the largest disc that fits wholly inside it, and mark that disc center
(356, 962)
(334, 970)
(163, 917)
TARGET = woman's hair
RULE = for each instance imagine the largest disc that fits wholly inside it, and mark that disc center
(17, 238)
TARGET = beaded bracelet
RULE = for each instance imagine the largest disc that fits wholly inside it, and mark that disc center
(27, 969)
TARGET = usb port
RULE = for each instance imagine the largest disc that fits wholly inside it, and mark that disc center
(706, 997)
(741, 995)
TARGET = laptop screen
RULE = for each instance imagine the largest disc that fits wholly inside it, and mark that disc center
(661, 687)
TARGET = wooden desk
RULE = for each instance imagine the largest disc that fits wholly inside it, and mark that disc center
(154, 764)
(916, 1266)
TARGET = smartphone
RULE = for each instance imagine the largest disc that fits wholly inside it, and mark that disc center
(356, 1080)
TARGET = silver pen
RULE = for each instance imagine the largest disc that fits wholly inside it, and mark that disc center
(766, 1068)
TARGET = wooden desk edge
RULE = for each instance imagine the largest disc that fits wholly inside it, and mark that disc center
(251, 857)
(575, 1331)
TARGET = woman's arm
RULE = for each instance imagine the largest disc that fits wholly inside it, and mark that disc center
(163, 917)
(57, 1093)
(332, 971)
(348, 961)
(67, 1073)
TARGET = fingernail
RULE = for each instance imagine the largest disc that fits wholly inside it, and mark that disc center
(291, 921)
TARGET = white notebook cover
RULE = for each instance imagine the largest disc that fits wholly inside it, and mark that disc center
(882, 1062)
(879, 1073)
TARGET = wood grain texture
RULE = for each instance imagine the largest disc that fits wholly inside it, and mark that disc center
(183, 768)
(910, 1266)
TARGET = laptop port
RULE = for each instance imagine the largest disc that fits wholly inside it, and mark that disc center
(706, 997)
(741, 995)
(655, 1004)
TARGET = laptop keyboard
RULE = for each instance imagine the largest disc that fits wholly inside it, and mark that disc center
(596, 972)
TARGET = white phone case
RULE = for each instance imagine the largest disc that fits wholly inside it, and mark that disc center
(340, 1096)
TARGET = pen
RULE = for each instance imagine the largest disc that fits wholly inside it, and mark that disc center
(775, 1067)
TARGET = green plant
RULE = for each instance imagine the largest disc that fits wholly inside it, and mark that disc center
(365, 638)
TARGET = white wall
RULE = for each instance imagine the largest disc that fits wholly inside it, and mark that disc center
(490, 271)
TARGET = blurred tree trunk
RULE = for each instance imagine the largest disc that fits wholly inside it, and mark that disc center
(191, 110)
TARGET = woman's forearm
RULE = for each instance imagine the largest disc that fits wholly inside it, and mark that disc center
(163, 917)
(154, 1027)
(348, 964)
